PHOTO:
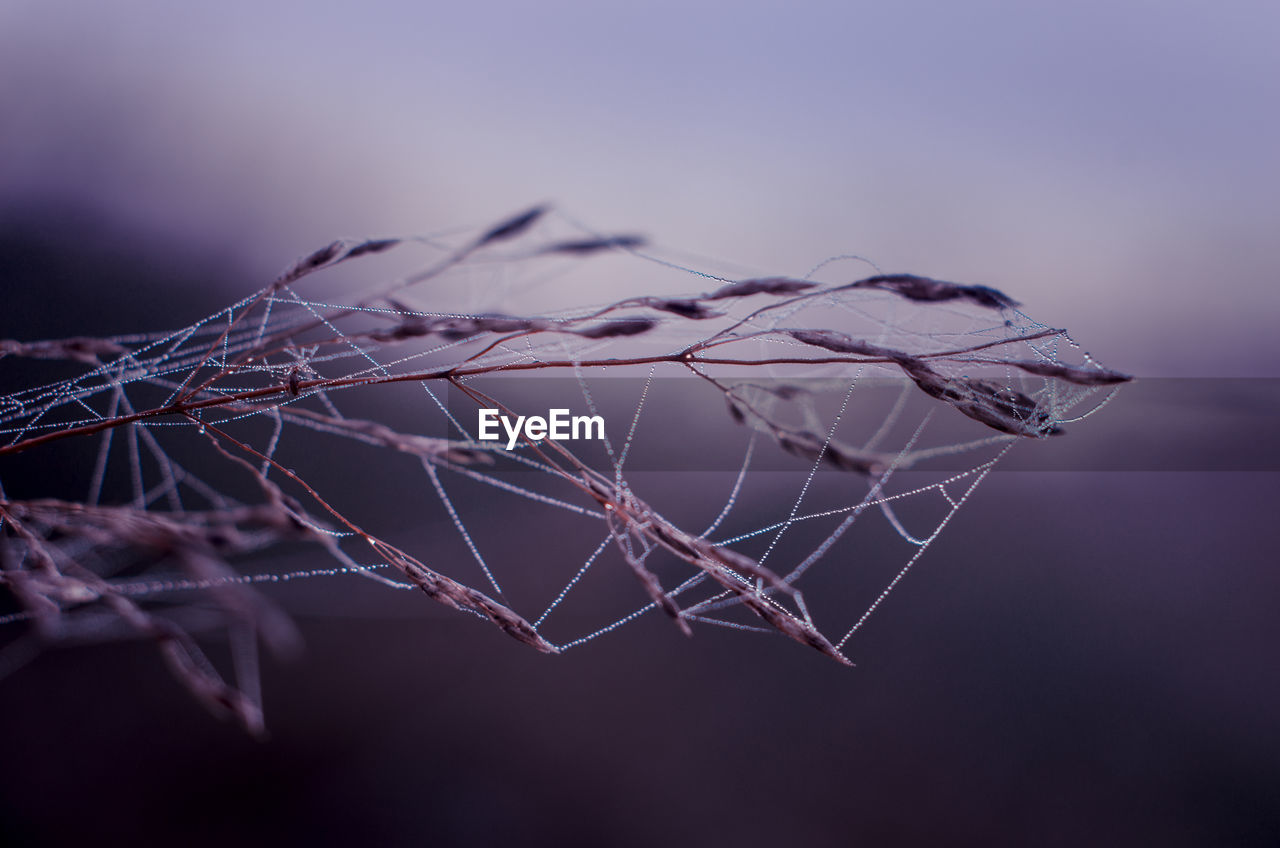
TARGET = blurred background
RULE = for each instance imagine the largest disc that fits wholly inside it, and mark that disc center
(1106, 673)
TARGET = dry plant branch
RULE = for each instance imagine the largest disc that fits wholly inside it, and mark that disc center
(279, 357)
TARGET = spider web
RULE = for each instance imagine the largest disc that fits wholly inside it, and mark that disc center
(778, 452)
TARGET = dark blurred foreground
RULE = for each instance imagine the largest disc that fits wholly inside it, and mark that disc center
(1098, 670)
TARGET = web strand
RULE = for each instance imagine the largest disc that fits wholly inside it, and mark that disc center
(227, 440)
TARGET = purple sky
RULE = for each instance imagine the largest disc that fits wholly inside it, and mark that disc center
(1111, 165)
